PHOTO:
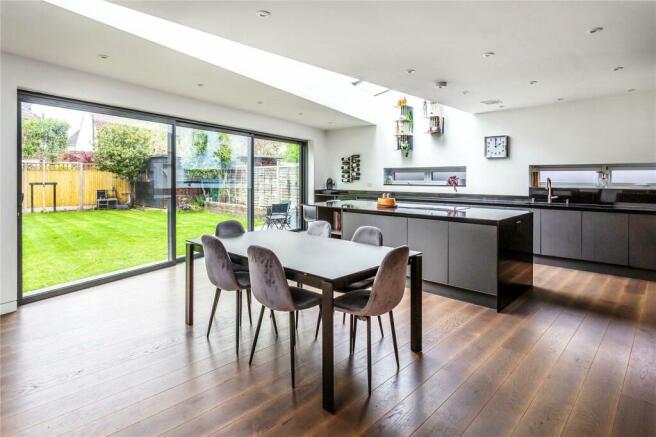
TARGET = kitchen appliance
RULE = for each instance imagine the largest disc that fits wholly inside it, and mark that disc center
(330, 184)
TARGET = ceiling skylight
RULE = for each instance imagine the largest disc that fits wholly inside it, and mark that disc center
(316, 84)
(369, 88)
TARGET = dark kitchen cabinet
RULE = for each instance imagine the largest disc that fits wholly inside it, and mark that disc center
(560, 233)
(431, 237)
(394, 229)
(605, 237)
(642, 241)
(473, 257)
(536, 230)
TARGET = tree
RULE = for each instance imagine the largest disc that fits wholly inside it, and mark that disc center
(293, 153)
(44, 138)
(224, 155)
(199, 140)
(123, 150)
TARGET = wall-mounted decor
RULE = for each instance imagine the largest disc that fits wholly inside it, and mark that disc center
(404, 127)
(433, 112)
(497, 146)
(351, 168)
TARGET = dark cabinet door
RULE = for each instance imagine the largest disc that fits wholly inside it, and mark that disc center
(431, 237)
(605, 237)
(642, 241)
(473, 256)
(536, 230)
(394, 229)
(560, 233)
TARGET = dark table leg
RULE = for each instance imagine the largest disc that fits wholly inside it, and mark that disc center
(415, 303)
(189, 284)
(327, 347)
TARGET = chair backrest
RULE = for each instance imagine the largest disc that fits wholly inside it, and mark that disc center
(320, 228)
(368, 235)
(280, 208)
(101, 194)
(268, 281)
(389, 284)
(229, 229)
(218, 264)
(309, 213)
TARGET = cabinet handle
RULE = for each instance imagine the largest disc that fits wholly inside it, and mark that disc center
(518, 222)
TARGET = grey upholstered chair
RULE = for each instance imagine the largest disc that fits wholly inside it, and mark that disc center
(365, 235)
(309, 213)
(271, 289)
(385, 294)
(232, 229)
(320, 228)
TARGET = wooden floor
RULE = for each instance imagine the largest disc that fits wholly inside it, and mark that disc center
(575, 357)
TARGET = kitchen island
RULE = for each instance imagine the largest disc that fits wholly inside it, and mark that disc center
(482, 255)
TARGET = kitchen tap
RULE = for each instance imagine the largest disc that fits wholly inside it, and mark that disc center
(550, 196)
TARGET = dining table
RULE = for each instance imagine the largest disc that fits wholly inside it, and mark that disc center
(328, 264)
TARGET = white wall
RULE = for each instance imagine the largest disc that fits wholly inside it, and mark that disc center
(620, 129)
(17, 72)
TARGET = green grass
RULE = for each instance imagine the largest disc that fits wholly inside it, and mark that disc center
(64, 246)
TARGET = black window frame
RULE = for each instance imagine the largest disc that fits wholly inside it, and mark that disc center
(27, 96)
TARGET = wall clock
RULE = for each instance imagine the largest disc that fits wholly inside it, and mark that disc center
(496, 146)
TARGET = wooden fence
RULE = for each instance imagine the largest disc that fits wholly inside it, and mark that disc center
(76, 185)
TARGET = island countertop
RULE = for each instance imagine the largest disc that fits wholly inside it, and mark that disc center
(449, 212)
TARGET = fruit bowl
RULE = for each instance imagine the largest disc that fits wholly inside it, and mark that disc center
(388, 202)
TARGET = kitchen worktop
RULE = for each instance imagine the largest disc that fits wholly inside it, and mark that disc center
(449, 212)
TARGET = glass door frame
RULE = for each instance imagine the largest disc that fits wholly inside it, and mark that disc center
(25, 96)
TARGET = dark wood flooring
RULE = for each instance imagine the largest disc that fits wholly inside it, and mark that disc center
(575, 357)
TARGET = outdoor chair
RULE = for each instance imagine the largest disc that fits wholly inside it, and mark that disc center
(105, 199)
(277, 215)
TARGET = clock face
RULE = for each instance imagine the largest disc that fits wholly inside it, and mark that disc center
(496, 147)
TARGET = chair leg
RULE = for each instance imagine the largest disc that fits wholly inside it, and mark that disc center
(316, 333)
(273, 320)
(355, 332)
(248, 301)
(343, 318)
(380, 324)
(369, 353)
(217, 294)
(292, 345)
(396, 348)
(238, 312)
(257, 332)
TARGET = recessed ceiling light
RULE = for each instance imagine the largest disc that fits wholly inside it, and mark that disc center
(263, 13)
(259, 102)
(491, 102)
(410, 70)
(533, 82)
(488, 54)
(618, 68)
(300, 113)
(465, 92)
(630, 90)
(595, 30)
(103, 56)
(200, 85)
(502, 106)
(560, 99)
(441, 84)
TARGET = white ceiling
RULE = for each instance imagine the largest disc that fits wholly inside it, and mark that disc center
(379, 41)
(41, 31)
(375, 41)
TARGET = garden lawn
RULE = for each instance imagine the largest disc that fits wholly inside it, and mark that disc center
(68, 245)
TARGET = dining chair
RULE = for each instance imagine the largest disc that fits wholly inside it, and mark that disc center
(224, 277)
(309, 213)
(365, 235)
(232, 229)
(319, 228)
(385, 294)
(270, 288)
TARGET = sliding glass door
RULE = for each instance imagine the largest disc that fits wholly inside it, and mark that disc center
(95, 190)
(211, 180)
(277, 182)
(107, 192)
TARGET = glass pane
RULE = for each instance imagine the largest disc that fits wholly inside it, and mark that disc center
(569, 177)
(212, 181)
(95, 190)
(277, 184)
(633, 177)
(408, 176)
